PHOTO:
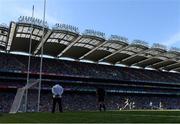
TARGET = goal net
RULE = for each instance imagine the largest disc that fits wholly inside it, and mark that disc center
(23, 103)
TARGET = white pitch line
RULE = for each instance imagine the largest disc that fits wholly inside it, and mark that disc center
(135, 115)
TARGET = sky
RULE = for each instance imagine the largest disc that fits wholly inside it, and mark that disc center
(153, 21)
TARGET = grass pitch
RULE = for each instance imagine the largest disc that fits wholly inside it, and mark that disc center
(94, 117)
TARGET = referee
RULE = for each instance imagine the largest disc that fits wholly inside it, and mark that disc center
(57, 92)
(100, 92)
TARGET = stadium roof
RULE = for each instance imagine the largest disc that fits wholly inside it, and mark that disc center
(66, 41)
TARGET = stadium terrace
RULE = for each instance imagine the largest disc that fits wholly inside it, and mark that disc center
(65, 41)
(144, 82)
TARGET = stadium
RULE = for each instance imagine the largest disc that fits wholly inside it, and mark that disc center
(136, 76)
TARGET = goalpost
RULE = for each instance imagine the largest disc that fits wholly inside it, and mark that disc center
(24, 95)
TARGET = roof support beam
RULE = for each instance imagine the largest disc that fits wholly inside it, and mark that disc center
(132, 56)
(113, 53)
(153, 56)
(146, 60)
(171, 67)
(69, 46)
(161, 64)
(135, 55)
(93, 50)
(44, 39)
(141, 52)
(11, 35)
(177, 69)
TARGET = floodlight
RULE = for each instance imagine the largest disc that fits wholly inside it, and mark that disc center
(118, 38)
(66, 27)
(175, 49)
(140, 42)
(3, 25)
(30, 20)
(159, 46)
(94, 33)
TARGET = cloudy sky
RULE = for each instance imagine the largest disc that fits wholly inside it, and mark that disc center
(154, 21)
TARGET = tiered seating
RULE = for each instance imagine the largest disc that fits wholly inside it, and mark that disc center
(9, 62)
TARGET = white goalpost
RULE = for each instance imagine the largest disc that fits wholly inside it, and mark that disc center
(41, 61)
(24, 95)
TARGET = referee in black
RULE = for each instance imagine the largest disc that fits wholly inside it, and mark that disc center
(100, 92)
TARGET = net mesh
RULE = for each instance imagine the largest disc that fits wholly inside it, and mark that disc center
(20, 104)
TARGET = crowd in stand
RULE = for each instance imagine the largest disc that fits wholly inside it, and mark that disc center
(10, 62)
(92, 87)
(88, 102)
(6, 100)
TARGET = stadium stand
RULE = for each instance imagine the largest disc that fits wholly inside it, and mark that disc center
(81, 82)
(80, 78)
(87, 102)
(10, 62)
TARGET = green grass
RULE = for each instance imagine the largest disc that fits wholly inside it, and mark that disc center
(91, 117)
